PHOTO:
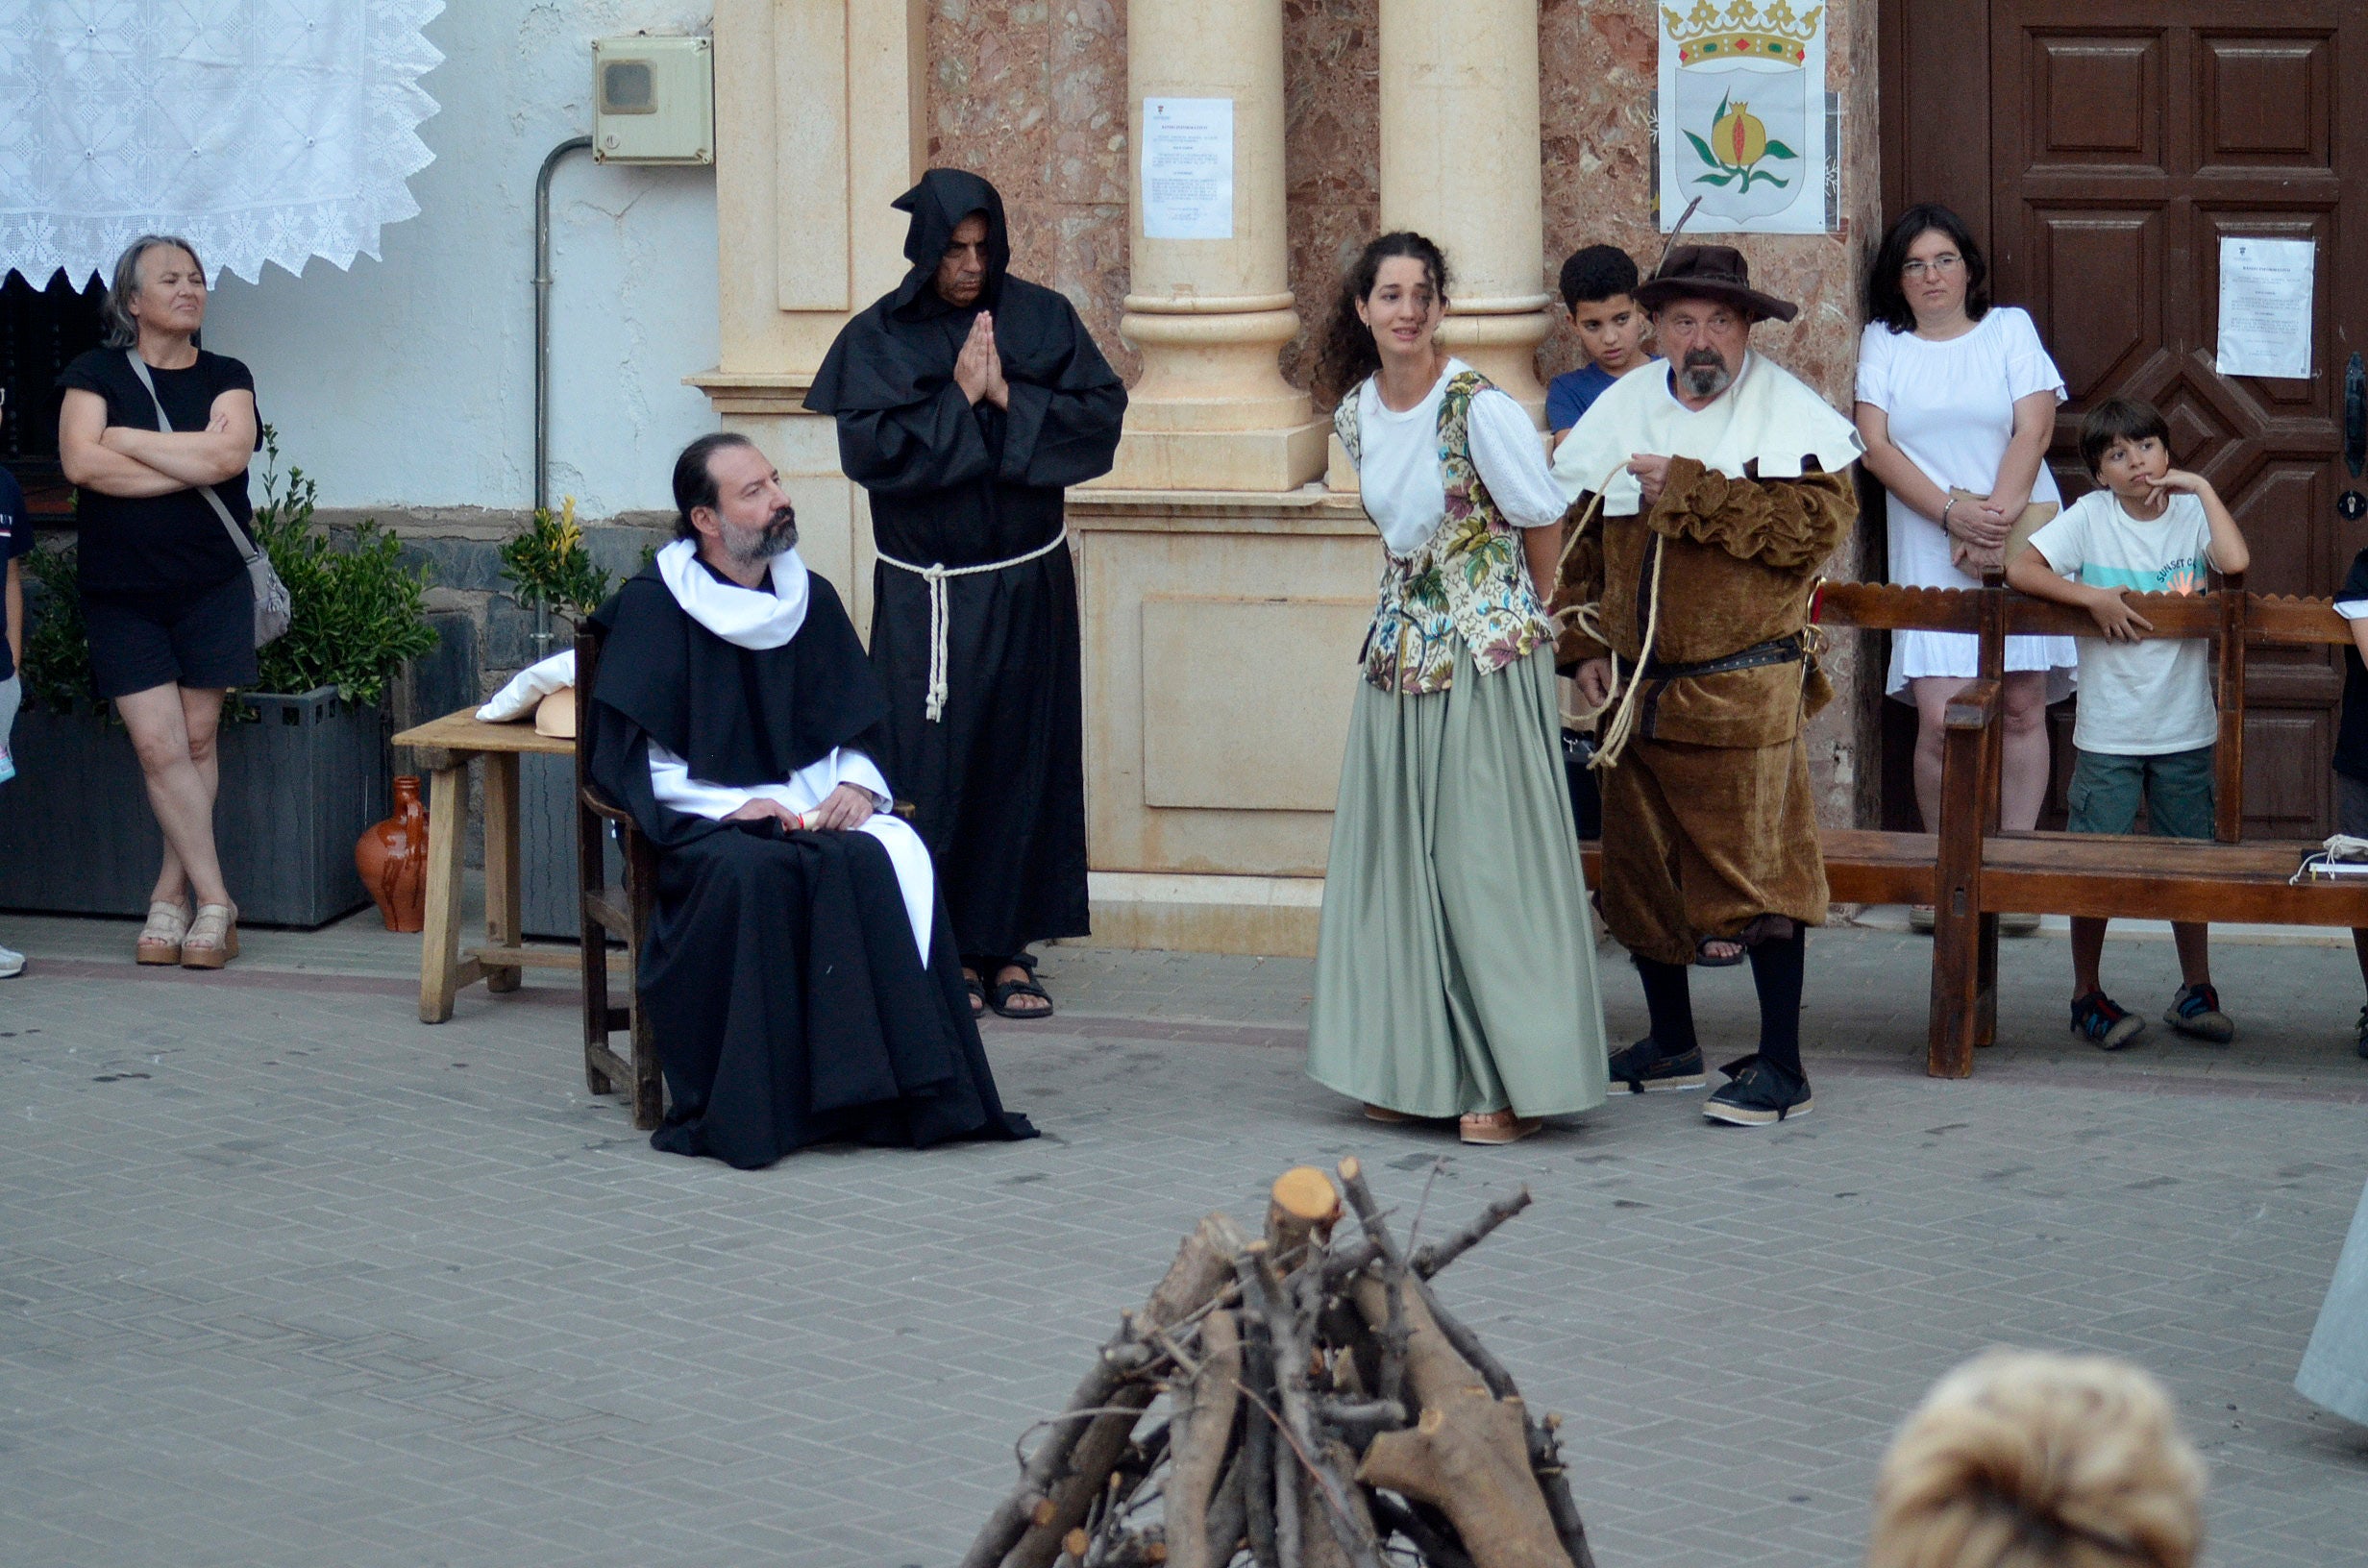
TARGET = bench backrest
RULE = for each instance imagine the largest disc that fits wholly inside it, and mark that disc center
(1994, 612)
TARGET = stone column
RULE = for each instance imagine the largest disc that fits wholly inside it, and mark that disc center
(1461, 162)
(819, 124)
(1212, 410)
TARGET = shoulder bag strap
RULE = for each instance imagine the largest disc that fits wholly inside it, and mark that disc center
(239, 538)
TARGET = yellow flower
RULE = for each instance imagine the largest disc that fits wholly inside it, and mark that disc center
(1738, 138)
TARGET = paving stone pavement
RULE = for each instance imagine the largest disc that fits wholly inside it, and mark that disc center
(286, 1278)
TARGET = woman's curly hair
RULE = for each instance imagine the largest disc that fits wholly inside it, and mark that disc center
(2025, 1459)
(1348, 355)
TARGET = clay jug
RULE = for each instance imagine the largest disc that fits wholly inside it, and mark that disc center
(392, 858)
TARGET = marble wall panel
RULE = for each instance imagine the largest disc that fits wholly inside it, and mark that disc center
(1332, 162)
(1032, 94)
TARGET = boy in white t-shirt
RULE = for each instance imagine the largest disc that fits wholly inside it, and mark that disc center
(2147, 719)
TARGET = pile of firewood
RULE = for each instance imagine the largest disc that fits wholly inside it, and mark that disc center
(1324, 1411)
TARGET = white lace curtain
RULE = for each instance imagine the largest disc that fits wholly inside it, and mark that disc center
(262, 130)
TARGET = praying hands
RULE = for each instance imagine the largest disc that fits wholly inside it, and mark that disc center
(978, 370)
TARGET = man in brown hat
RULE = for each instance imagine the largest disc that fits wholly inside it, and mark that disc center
(1721, 484)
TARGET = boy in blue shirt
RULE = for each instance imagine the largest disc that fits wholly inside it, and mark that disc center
(1599, 287)
(2148, 725)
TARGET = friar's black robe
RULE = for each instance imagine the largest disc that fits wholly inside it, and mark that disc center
(788, 1002)
(999, 782)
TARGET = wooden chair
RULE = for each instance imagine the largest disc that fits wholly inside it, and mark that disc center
(623, 912)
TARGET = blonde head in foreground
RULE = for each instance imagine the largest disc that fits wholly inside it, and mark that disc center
(2023, 1459)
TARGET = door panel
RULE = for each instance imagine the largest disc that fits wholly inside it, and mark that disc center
(2127, 137)
(2115, 337)
(2267, 103)
(2096, 100)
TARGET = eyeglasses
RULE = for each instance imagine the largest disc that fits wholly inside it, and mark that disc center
(1947, 262)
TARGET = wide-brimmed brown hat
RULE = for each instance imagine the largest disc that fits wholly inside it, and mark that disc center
(1711, 271)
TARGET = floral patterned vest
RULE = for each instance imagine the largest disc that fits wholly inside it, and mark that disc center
(1465, 581)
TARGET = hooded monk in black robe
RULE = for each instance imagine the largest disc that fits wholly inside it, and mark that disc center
(734, 716)
(966, 402)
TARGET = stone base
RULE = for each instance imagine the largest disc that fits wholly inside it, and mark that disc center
(1264, 917)
(1224, 460)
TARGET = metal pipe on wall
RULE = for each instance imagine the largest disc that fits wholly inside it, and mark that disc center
(542, 316)
(542, 354)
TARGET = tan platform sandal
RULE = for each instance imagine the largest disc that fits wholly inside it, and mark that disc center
(159, 940)
(213, 939)
(1497, 1127)
(1383, 1113)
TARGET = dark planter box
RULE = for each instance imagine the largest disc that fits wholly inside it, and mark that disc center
(298, 787)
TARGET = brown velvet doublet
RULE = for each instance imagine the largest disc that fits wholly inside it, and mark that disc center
(1707, 817)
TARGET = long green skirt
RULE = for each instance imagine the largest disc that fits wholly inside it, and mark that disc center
(1455, 971)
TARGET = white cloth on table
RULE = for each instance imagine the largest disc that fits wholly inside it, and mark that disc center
(768, 618)
(2152, 697)
(529, 687)
(1949, 407)
(1397, 462)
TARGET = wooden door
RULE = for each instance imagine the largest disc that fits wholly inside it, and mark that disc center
(2125, 138)
(2130, 138)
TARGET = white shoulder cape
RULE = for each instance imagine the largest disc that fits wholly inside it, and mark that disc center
(1769, 415)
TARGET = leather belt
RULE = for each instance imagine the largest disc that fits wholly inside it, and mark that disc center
(1786, 649)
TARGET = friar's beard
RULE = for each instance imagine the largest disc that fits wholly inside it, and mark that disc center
(749, 545)
(1704, 373)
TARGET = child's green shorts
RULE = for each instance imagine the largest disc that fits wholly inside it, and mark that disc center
(2176, 786)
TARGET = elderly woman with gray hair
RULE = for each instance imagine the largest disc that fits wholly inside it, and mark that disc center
(165, 589)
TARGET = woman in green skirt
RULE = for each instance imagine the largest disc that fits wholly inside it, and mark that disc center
(1455, 973)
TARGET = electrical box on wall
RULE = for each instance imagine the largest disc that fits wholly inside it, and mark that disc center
(654, 100)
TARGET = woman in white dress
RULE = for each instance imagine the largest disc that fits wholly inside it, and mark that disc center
(1957, 395)
(1455, 970)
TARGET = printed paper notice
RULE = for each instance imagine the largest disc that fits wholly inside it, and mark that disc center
(1188, 168)
(2265, 307)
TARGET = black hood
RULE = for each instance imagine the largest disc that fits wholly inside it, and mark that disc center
(939, 203)
(901, 350)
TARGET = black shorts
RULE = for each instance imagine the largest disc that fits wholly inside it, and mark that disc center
(203, 639)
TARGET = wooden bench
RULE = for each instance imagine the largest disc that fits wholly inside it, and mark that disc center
(1972, 871)
(1985, 871)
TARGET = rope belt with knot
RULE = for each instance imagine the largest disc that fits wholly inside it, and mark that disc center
(941, 617)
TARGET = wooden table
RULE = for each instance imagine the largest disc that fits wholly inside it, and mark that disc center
(446, 747)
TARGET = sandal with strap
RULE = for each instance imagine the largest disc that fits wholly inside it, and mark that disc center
(1758, 929)
(159, 940)
(1001, 991)
(1491, 1127)
(978, 989)
(213, 938)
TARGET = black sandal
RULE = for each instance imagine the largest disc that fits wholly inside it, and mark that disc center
(978, 989)
(1001, 991)
(1758, 929)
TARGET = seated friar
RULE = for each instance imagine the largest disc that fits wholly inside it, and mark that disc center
(801, 983)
